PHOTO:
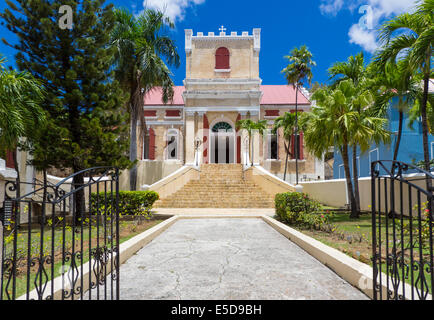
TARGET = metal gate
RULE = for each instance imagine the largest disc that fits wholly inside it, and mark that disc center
(402, 231)
(61, 241)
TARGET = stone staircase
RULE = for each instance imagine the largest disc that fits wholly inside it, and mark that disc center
(219, 186)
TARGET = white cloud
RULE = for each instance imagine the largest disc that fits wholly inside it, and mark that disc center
(174, 9)
(363, 37)
(331, 7)
(380, 10)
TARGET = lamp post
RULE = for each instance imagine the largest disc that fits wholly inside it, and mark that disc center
(197, 144)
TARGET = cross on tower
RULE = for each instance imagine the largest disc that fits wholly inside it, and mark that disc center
(222, 29)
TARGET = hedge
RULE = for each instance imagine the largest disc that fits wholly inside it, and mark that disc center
(130, 202)
(295, 208)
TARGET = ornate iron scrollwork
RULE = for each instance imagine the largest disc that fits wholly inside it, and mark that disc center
(402, 228)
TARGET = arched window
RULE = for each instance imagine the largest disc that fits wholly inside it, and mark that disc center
(222, 58)
(222, 126)
(172, 144)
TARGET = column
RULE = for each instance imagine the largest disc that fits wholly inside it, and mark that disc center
(244, 142)
(189, 137)
(199, 136)
(254, 115)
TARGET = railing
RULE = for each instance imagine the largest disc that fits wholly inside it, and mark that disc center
(62, 259)
(402, 231)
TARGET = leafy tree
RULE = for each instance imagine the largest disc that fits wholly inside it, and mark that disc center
(354, 69)
(287, 122)
(140, 45)
(75, 66)
(20, 110)
(251, 126)
(336, 121)
(296, 73)
(409, 36)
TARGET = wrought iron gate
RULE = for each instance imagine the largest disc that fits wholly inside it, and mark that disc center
(402, 231)
(62, 241)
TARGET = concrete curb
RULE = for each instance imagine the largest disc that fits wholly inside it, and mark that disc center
(358, 274)
(126, 250)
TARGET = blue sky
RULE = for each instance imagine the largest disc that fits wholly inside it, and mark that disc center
(330, 28)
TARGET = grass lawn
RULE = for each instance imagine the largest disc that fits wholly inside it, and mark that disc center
(127, 230)
(354, 238)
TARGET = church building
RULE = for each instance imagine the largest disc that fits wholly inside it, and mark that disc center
(222, 85)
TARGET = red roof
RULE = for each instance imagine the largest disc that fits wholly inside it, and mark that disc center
(153, 98)
(273, 94)
(281, 94)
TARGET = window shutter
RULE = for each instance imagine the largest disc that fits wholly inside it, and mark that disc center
(222, 58)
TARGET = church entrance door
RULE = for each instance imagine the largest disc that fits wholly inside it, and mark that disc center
(222, 143)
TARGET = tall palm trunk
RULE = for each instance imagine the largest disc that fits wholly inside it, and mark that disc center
(398, 139)
(356, 179)
(345, 159)
(286, 160)
(136, 114)
(133, 151)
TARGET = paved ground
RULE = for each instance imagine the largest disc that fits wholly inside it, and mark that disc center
(228, 259)
(245, 212)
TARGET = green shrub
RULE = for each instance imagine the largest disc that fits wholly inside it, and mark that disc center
(136, 203)
(290, 205)
(295, 208)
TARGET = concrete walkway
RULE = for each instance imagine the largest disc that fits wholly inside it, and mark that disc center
(240, 212)
(228, 259)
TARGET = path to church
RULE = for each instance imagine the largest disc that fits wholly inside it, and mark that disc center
(228, 258)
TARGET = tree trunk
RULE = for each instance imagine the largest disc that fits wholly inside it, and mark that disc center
(356, 179)
(398, 139)
(286, 160)
(44, 173)
(133, 151)
(79, 197)
(354, 214)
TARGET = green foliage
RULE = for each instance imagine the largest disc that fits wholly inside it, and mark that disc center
(134, 203)
(86, 126)
(20, 110)
(300, 66)
(298, 209)
(143, 50)
(251, 126)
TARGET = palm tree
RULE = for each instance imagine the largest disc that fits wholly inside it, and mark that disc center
(336, 121)
(353, 69)
(287, 122)
(409, 36)
(251, 126)
(141, 44)
(20, 112)
(396, 86)
(298, 70)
